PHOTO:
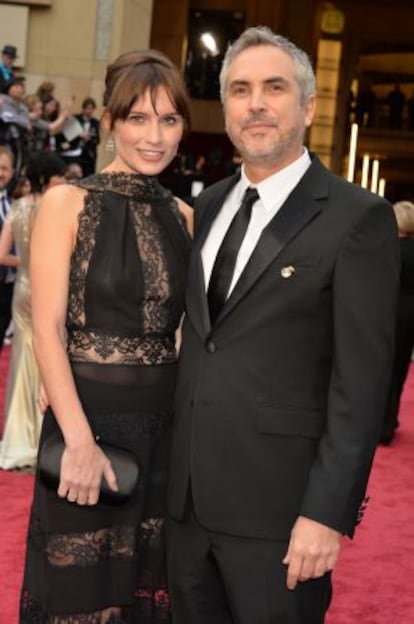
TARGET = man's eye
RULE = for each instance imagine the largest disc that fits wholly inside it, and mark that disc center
(239, 90)
(275, 87)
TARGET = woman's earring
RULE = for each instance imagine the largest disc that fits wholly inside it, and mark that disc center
(110, 144)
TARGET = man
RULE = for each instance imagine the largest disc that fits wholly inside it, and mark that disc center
(6, 274)
(15, 122)
(285, 360)
(8, 56)
(90, 137)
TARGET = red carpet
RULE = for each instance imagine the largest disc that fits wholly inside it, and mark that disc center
(15, 497)
(374, 578)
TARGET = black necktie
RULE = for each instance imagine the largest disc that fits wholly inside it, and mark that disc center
(223, 269)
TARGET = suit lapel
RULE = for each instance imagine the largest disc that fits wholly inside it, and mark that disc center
(300, 208)
(302, 205)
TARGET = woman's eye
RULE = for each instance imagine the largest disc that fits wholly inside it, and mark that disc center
(171, 120)
(136, 118)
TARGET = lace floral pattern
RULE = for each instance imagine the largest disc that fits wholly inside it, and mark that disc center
(154, 609)
(152, 604)
(159, 315)
(86, 345)
(87, 549)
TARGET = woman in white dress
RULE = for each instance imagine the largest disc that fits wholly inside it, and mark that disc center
(23, 417)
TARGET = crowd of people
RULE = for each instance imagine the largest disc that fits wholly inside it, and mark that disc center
(394, 111)
(37, 123)
(239, 352)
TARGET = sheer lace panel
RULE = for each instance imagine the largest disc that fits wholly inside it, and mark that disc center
(151, 603)
(86, 345)
(161, 300)
(85, 549)
(89, 548)
(154, 609)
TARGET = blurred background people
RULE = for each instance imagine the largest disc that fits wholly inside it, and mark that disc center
(8, 56)
(396, 102)
(38, 140)
(18, 447)
(22, 188)
(46, 91)
(74, 172)
(15, 123)
(6, 273)
(404, 212)
(365, 106)
(90, 137)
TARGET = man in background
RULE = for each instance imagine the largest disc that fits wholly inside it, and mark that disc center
(8, 56)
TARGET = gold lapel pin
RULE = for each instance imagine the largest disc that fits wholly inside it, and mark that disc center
(287, 271)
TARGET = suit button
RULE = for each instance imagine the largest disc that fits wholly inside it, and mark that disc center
(211, 347)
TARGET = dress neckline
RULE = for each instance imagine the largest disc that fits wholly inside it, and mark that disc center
(134, 185)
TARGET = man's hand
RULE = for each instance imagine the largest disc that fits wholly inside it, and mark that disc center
(313, 550)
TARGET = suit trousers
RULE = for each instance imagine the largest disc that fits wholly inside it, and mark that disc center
(6, 295)
(222, 579)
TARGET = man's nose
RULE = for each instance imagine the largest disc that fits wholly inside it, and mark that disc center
(257, 100)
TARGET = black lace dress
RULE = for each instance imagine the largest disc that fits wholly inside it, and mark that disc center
(125, 302)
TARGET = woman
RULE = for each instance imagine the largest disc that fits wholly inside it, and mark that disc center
(18, 448)
(105, 312)
(41, 129)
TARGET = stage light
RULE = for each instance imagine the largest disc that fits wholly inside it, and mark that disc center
(209, 42)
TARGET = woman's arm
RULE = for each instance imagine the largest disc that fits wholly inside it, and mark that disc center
(6, 244)
(52, 243)
(65, 112)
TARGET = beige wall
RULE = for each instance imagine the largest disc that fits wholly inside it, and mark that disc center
(72, 42)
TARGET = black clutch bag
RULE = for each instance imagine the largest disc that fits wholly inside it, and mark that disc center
(123, 462)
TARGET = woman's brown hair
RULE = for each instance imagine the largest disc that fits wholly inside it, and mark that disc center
(133, 73)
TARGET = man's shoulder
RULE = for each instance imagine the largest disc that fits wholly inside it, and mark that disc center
(217, 188)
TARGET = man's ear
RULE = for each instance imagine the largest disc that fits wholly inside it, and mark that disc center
(310, 109)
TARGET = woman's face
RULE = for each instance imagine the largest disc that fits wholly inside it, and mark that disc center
(50, 107)
(55, 180)
(147, 141)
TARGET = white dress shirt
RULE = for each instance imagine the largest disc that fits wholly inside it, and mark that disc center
(273, 191)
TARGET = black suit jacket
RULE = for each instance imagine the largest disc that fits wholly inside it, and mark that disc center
(279, 405)
(90, 147)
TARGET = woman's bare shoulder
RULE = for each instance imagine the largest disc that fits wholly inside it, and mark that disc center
(63, 201)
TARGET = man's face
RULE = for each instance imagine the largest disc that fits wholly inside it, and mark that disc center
(88, 110)
(7, 60)
(265, 117)
(17, 91)
(6, 170)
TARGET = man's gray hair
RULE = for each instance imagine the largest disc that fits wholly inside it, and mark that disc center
(262, 35)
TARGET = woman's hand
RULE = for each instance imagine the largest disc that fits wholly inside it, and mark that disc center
(82, 469)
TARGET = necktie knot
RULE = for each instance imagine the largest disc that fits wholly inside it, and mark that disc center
(250, 197)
